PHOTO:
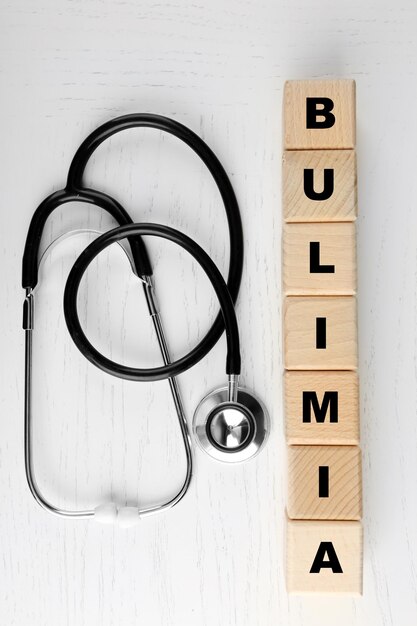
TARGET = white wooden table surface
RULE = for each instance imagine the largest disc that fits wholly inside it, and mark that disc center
(219, 67)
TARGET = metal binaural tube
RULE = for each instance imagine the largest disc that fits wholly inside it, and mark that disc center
(28, 316)
(149, 291)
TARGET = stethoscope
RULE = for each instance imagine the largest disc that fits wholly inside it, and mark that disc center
(230, 423)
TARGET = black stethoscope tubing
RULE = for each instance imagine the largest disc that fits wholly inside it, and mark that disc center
(176, 367)
(75, 191)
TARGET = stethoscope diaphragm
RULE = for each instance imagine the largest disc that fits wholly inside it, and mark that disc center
(231, 432)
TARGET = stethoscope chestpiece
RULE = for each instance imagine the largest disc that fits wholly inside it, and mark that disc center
(231, 432)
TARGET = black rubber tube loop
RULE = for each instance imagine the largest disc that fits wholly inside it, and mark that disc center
(210, 160)
(75, 191)
(179, 366)
(149, 120)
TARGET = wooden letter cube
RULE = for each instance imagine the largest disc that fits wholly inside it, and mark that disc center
(320, 333)
(319, 259)
(324, 482)
(322, 408)
(312, 195)
(324, 557)
(319, 114)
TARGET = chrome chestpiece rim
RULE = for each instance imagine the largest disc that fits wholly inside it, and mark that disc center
(231, 431)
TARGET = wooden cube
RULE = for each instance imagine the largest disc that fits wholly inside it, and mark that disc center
(322, 408)
(319, 114)
(319, 186)
(324, 557)
(319, 259)
(324, 482)
(320, 333)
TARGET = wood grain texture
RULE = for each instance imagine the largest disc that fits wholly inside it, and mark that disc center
(341, 135)
(341, 206)
(337, 250)
(303, 541)
(300, 333)
(218, 558)
(344, 485)
(343, 432)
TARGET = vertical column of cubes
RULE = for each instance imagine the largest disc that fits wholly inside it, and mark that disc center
(324, 534)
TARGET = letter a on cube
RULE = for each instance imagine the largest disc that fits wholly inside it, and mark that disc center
(324, 557)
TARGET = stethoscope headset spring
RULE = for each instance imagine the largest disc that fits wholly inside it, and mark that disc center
(230, 423)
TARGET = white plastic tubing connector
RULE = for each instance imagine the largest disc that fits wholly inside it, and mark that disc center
(124, 517)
